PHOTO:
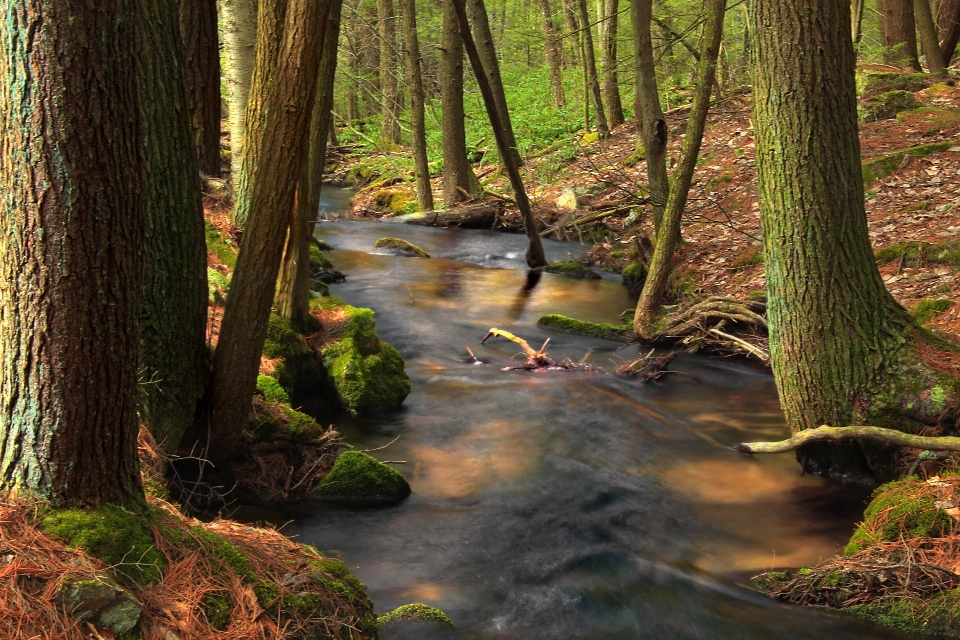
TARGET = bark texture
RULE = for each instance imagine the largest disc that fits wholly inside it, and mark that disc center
(649, 306)
(899, 32)
(459, 182)
(928, 37)
(201, 54)
(607, 30)
(174, 355)
(272, 172)
(838, 339)
(71, 253)
(649, 112)
(554, 53)
(477, 12)
(389, 87)
(590, 68)
(418, 123)
(239, 23)
(948, 22)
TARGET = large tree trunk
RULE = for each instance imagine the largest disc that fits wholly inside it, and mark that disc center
(293, 296)
(71, 251)
(607, 30)
(477, 13)
(459, 182)
(649, 112)
(198, 32)
(239, 22)
(948, 22)
(649, 306)
(570, 18)
(554, 51)
(272, 171)
(928, 37)
(389, 87)
(841, 346)
(174, 355)
(590, 67)
(418, 123)
(535, 255)
(899, 31)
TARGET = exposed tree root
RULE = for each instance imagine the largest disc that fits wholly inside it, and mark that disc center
(537, 360)
(650, 367)
(878, 434)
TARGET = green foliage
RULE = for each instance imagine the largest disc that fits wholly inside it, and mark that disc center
(417, 612)
(927, 309)
(217, 285)
(220, 246)
(621, 333)
(400, 245)
(357, 476)
(271, 390)
(120, 538)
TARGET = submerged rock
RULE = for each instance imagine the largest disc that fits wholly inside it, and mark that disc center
(361, 478)
(571, 269)
(400, 245)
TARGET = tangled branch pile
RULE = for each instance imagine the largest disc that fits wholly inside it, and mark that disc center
(537, 360)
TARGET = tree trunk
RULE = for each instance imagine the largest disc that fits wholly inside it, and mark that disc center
(554, 50)
(841, 347)
(590, 65)
(270, 21)
(198, 32)
(899, 33)
(71, 251)
(272, 173)
(174, 357)
(570, 17)
(649, 113)
(389, 87)
(459, 182)
(488, 56)
(418, 123)
(949, 24)
(928, 37)
(856, 20)
(535, 255)
(651, 298)
(293, 297)
(239, 23)
(608, 60)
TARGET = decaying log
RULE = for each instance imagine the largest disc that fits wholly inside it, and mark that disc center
(879, 434)
(477, 216)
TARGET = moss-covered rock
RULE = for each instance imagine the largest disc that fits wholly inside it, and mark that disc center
(271, 390)
(571, 269)
(360, 478)
(367, 373)
(415, 612)
(621, 333)
(927, 309)
(393, 201)
(919, 253)
(99, 599)
(874, 83)
(887, 105)
(298, 369)
(883, 166)
(400, 245)
(219, 245)
(318, 261)
(634, 275)
(362, 173)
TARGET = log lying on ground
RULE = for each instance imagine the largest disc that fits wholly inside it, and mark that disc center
(477, 216)
(879, 434)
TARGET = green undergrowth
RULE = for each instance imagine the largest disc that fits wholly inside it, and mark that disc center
(416, 612)
(400, 245)
(220, 245)
(359, 477)
(881, 167)
(217, 286)
(620, 333)
(921, 253)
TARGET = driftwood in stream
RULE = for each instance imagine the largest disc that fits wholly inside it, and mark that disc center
(650, 367)
(833, 434)
(537, 360)
(475, 216)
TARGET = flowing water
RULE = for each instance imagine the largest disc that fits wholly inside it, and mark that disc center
(567, 505)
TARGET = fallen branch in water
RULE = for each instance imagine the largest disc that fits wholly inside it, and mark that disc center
(832, 434)
(537, 360)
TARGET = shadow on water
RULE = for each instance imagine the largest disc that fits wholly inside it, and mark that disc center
(567, 505)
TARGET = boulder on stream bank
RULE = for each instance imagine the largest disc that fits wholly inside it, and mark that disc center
(360, 479)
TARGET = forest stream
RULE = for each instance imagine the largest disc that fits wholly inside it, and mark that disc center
(567, 505)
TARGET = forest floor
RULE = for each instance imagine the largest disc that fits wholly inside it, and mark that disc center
(721, 252)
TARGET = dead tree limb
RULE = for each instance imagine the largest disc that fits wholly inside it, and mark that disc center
(878, 434)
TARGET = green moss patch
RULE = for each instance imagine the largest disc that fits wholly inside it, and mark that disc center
(873, 83)
(394, 201)
(219, 245)
(271, 390)
(620, 333)
(883, 166)
(927, 309)
(416, 612)
(570, 269)
(118, 537)
(887, 105)
(299, 367)
(318, 261)
(921, 253)
(634, 275)
(358, 477)
(400, 245)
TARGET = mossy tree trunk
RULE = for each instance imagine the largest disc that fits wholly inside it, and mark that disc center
(841, 347)
(899, 31)
(477, 12)
(928, 37)
(535, 255)
(239, 23)
(174, 357)
(418, 123)
(607, 30)
(389, 87)
(293, 296)
(948, 23)
(649, 306)
(554, 53)
(71, 252)
(272, 172)
(653, 133)
(198, 32)
(459, 181)
(590, 69)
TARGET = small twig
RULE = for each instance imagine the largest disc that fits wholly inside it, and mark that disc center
(380, 448)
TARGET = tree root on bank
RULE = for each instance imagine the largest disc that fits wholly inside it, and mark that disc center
(650, 367)
(537, 360)
(828, 433)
